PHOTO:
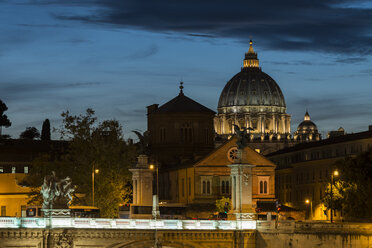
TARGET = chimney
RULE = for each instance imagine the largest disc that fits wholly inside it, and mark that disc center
(152, 108)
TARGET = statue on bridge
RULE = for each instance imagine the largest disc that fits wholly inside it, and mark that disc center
(57, 194)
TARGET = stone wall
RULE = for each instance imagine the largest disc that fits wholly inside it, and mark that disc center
(104, 238)
(309, 235)
(268, 235)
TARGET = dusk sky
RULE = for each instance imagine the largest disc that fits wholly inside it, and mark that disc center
(119, 56)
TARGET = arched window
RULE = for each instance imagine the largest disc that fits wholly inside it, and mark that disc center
(206, 182)
(263, 184)
(261, 187)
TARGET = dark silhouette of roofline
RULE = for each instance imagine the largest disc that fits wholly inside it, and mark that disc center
(329, 141)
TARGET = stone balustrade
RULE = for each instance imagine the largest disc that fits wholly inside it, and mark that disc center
(9, 222)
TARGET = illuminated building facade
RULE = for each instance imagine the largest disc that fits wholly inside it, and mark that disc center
(16, 158)
(303, 171)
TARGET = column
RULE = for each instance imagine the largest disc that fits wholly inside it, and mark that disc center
(259, 124)
(283, 124)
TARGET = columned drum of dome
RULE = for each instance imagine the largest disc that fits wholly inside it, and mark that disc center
(252, 99)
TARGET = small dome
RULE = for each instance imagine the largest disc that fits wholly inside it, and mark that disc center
(307, 126)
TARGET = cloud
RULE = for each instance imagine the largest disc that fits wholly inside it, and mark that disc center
(144, 53)
(318, 25)
(355, 60)
(18, 91)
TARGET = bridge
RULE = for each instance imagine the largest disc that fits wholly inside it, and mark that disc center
(123, 233)
(141, 233)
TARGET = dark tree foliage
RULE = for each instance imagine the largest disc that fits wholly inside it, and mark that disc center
(92, 145)
(45, 131)
(30, 133)
(4, 121)
(356, 175)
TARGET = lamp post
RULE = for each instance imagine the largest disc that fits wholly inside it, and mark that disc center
(307, 201)
(156, 210)
(334, 174)
(94, 171)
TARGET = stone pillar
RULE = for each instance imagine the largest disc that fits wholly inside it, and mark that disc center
(142, 178)
(241, 177)
(259, 125)
(283, 124)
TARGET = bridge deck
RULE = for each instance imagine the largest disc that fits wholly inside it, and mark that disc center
(10, 222)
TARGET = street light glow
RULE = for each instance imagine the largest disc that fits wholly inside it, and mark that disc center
(152, 167)
(335, 173)
(307, 201)
(96, 171)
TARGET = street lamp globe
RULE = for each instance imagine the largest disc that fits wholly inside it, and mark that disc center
(335, 173)
(307, 201)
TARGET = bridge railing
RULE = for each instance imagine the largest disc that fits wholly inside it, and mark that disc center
(9, 222)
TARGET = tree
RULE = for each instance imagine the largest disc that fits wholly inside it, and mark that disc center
(337, 195)
(45, 131)
(223, 205)
(30, 133)
(4, 121)
(356, 175)
(91, 145)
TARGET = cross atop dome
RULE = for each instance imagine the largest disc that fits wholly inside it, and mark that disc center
(181, 88)
(251, 59)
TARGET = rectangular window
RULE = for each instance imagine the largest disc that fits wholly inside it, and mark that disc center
(177, 188)
(183, 187)
(23, 211)
(25, 169)
(162, 134)
(3, 210)
(1, 169)
(189, 186)
(13, 169)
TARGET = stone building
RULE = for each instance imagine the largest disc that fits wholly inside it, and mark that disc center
(303, 171)
(198, 184)
(180, 129)
(16, 158)
(193, 173)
